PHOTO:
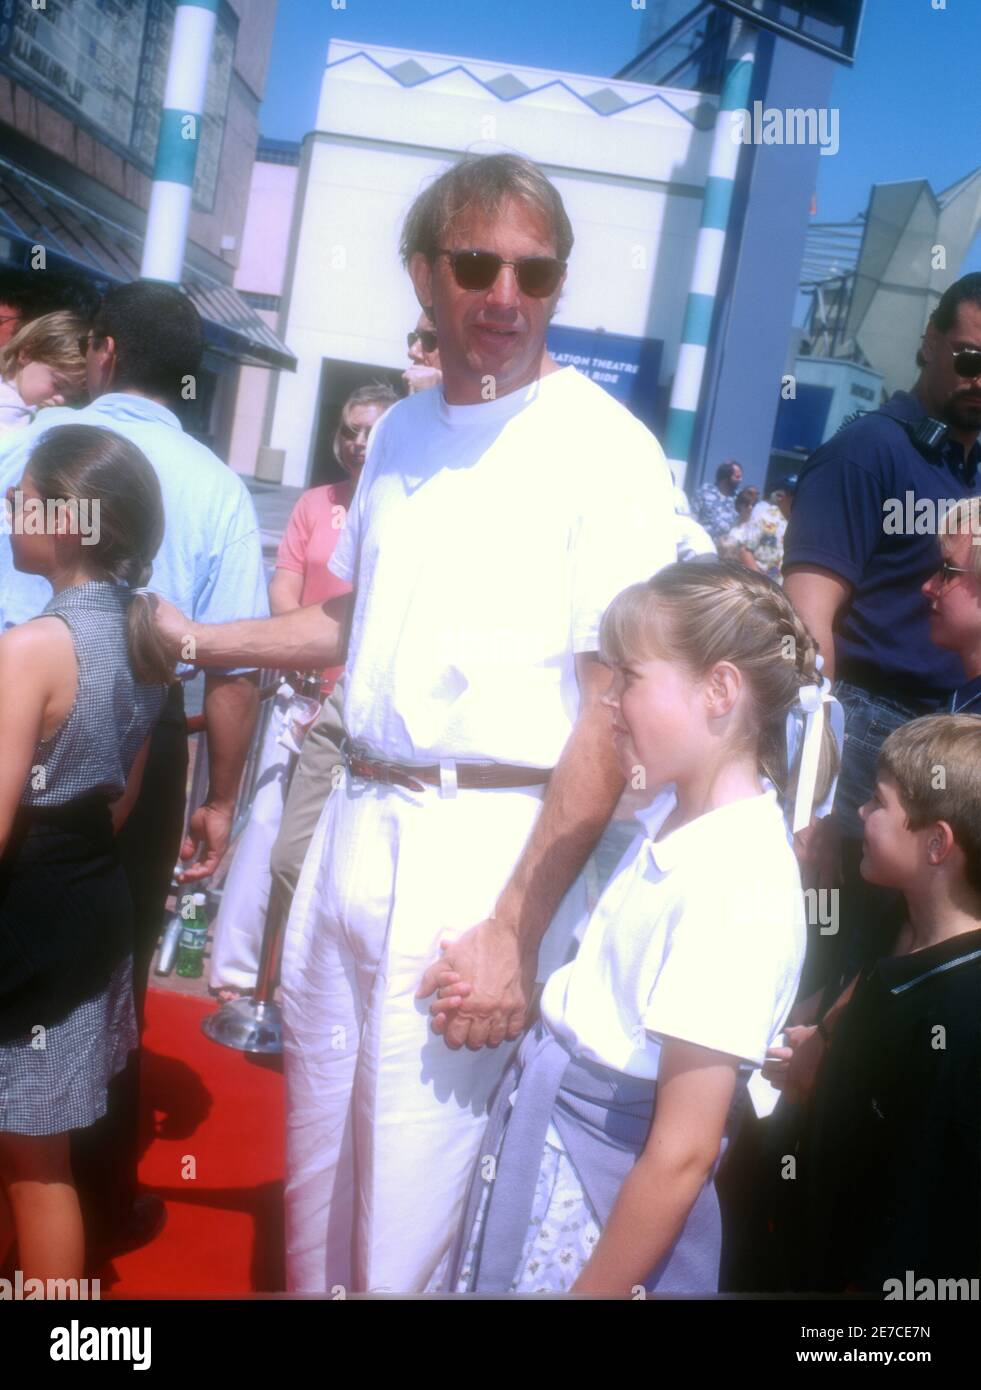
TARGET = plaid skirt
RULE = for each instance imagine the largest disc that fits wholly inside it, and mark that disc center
(54, 1078)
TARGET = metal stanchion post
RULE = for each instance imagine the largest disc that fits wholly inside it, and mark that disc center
(255, 1023)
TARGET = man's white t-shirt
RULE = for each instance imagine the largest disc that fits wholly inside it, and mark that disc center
(484, 543)
(700, 936)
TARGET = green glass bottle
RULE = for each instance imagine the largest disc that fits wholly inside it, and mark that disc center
(194, 938)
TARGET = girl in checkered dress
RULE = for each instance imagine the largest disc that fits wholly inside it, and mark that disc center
(81, 687)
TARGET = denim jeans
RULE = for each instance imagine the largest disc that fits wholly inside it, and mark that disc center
(868, 915)
(869, 720)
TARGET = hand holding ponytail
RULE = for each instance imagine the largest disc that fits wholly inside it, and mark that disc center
(148, 655)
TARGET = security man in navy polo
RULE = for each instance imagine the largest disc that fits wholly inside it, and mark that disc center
(861, 542)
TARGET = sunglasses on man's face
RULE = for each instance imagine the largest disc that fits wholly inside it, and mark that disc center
(967, 362)
(537, 276)
(425, 336)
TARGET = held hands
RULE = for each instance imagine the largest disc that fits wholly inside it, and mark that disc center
(484, 983)
(794, 1069)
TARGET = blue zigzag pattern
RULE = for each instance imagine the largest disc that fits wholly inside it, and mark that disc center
(531, 91)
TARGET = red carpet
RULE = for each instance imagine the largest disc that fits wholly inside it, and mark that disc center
(216, 1159)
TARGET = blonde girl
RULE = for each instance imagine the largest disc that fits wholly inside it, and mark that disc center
(596, 1173)
(42, 365)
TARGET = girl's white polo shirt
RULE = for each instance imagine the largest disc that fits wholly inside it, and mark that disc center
(700, 936)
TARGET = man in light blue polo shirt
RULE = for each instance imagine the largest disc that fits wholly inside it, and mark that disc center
(142, 353)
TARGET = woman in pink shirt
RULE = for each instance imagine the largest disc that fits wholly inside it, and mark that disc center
(302, 576)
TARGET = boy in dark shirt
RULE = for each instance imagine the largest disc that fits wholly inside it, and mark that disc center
(889, 1160)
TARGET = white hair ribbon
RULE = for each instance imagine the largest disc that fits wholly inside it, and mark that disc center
(811, 701)
(141, 591)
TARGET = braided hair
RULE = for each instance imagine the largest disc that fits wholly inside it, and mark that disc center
(702, 612)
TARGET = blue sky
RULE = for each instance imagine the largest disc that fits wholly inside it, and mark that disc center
(908, 108)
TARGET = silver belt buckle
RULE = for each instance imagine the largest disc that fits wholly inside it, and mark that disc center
(448, 782)
(350, 750)
(384, 766)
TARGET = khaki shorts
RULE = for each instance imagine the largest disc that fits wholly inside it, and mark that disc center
(309, 790)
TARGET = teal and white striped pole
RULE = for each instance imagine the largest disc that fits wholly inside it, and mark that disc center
(700, 307)
(177, 146)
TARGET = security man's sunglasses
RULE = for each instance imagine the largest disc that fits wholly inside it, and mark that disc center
(537, 276)
(967, 362)
(425, 336)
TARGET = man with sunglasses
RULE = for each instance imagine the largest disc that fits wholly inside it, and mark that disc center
(858, 584)
(423, 346)
(483, 546)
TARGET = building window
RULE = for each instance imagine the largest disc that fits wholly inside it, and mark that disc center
(262, 301)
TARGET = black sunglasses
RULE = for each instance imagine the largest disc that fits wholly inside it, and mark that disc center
(422, 335)
(967, 362)
(537, 276)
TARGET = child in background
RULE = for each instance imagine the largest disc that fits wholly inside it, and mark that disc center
(954, 593)
(687, 968)
(888, 1177)
(767, 1209)
(81, 687)
(955, 598)
(40, 366)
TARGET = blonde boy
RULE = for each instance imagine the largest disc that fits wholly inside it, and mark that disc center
(888, 1163)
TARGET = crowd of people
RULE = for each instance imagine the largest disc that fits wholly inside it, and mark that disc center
(497, 1082)
(744, 527)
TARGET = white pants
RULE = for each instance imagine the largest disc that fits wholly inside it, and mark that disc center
(241, 917)
(383, 1120)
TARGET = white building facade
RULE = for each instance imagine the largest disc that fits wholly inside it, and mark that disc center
(629, 160)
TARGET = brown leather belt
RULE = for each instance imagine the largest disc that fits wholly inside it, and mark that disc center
(468, 775)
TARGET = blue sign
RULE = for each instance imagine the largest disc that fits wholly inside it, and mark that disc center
(626, 367)
(801, 422)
